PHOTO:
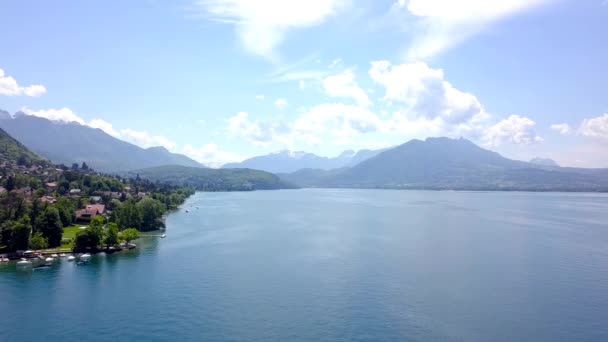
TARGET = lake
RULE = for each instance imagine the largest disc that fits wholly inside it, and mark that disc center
(336, 265)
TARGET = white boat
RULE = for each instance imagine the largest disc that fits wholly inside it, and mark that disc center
(85, 257)
(63, 255)
(71, 258)
(163, 236)
(49, 259)
(24, 263)
(54, 256)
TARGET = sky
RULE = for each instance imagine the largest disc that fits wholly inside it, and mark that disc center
(224, 80)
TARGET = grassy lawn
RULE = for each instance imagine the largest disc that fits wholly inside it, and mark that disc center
(70, 233)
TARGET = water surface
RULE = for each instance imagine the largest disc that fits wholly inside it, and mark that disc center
(336, 265)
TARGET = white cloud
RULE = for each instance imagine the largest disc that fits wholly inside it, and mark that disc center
(255, 132)
(63, 114)
(259, 97)
(104, 126)
(595, 127)
(301, 84)
(338, 122)
(211, 155)
(562, 128)
(442, 24)
(262, 25)
(145, 139)
(515, 129)
(344, 85)
(10, 87)
(280, 103)
(425, 93)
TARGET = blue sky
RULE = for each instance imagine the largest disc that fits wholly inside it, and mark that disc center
(222, 80)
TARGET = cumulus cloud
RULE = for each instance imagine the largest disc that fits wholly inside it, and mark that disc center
(64, 114)
(562, 128)
(258, 133)
(145, 139)
(262, 25)
(425, 92)
(10, 87)
(104, 126)
(514, 129)
(344, 85)
(211, 155)
(441, 24)
(595, 127)
(280, 103)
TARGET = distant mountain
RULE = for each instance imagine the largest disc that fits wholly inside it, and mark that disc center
(544, 162)
(213, 179)
(14, 151)
(443, 163)
(69, 143)
(291, 161)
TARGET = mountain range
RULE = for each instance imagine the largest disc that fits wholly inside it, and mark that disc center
(458, 164)
(290, 161)
(67, 143)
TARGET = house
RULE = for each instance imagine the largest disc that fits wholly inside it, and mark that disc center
(95, 199)
(74, 191)
(26, 191)
(90, 211)
(51, 186)
(2, 190)
(48, 199)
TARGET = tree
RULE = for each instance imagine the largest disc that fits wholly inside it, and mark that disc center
(38, 241)
(95, 231)
(82, 240)
(51, 227)
(84, 166)
(151, 212)
(75, 166)
(111, 238)
(129, 235)
(20, 238)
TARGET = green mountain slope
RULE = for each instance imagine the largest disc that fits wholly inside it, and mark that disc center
(213, 179)
(12, 150)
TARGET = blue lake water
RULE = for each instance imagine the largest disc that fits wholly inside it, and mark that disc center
(336, 265)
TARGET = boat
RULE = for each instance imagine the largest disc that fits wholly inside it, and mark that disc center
(163, 236)
(187, 211)
(86, 257)
(49, 259)
(55, 256)
(71, 258)
(63, 255)
(24, 263)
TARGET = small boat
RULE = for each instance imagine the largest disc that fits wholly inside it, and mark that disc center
(163, 236)
(24, 263)
(63, 255)
(4, 259)
(55, 256)
(86, 257)
(49, 259)
(71, 258)
(187, 211)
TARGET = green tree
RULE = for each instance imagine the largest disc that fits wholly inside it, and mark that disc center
(95, 231)
(51, 227)
(38, 241)
(129, 235)
(82, 240)
(111, 238)
(151, 213)
(20, 238)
